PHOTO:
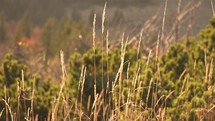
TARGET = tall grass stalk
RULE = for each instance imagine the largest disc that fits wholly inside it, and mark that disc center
(123, 50)
(32, 101)
(82, 90)
(177, 20)
(19, 90)
(2, 112)
(211, 71)
(78, 110)
(212, 7)
(108, 87)
(139, 43)
(6, 108)
(103, 38)
(206, 66)
(54, 112)
(148, 92)
(94, 61)
(107, 54)
(9, 108)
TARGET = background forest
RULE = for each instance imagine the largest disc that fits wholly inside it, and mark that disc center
(72, 68)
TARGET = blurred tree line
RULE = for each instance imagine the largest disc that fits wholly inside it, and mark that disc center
(65, 34)
(41, 10)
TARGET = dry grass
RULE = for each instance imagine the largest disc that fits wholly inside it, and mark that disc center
(57, 101)
(133, 108)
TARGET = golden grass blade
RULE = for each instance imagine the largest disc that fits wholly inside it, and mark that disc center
(1, 112)
(61, 88)
(9, 108)
(212, 7)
